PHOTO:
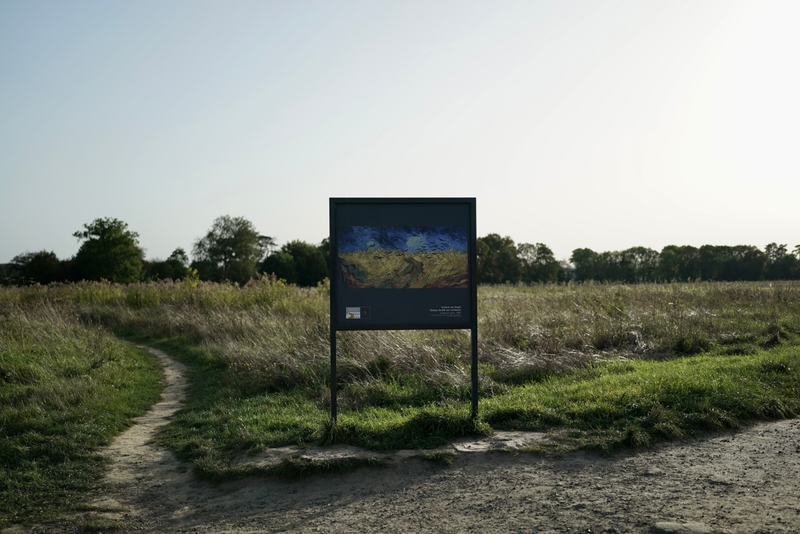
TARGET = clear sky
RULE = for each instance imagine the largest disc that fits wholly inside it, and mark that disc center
(599, 124)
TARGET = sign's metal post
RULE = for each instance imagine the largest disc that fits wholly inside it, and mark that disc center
(474, 336)
(332, 277)
(473, 289)
(333, 375)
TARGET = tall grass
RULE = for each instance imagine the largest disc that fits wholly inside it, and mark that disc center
(260, 357)
(273, 336)
(65, 389)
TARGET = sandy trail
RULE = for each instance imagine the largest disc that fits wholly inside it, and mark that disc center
(140, 468)
(743, 482)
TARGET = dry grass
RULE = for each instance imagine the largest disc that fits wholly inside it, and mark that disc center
(274, 336)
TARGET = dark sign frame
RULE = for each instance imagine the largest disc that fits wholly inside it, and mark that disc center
(403, 264)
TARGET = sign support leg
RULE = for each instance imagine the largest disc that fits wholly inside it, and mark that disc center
(333, 376)
(474, 336)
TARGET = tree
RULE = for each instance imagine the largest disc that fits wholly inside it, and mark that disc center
(669, 264)
(781, 263)
(207, 270)
(268, 243)
(232, 247)
(298, 263)
(678, 264)
(689, 265)
(38, 267)
(752, 263)
(538, 263)
(309, 262)
(179, 257)
(497, 260)
(109, 251)
(585, 261)
(7, 277)
(281, 264)
(175, 267)
(325, 249)
(712, 261)
(740, 262)
(794, 273)
(641, 264)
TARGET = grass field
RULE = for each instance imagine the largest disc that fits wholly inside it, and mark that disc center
(65, 389)
(597, 366)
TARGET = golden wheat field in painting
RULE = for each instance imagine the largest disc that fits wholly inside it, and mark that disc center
(396, 269)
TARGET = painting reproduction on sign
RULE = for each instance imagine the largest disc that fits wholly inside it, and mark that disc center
(403, 257)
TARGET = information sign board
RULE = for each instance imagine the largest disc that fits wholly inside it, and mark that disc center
(401, 263)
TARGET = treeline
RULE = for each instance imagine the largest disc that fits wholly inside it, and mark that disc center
(500, 260)
(232, 250)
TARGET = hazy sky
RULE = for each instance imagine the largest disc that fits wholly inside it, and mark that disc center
(600, 124)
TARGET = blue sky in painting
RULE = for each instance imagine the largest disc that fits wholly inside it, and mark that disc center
(405, 238)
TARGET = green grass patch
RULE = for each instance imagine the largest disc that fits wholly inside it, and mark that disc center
(224, 417)
(221, 421)
(412, 427)
(604, 406)
(611, 405)
(65, 390)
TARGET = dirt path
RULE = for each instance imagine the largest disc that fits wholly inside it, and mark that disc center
(744, 482)
(141, 470)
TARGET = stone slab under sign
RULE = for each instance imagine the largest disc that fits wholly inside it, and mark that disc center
(499, 441)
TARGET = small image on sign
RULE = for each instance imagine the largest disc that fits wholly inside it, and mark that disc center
(352, 313)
